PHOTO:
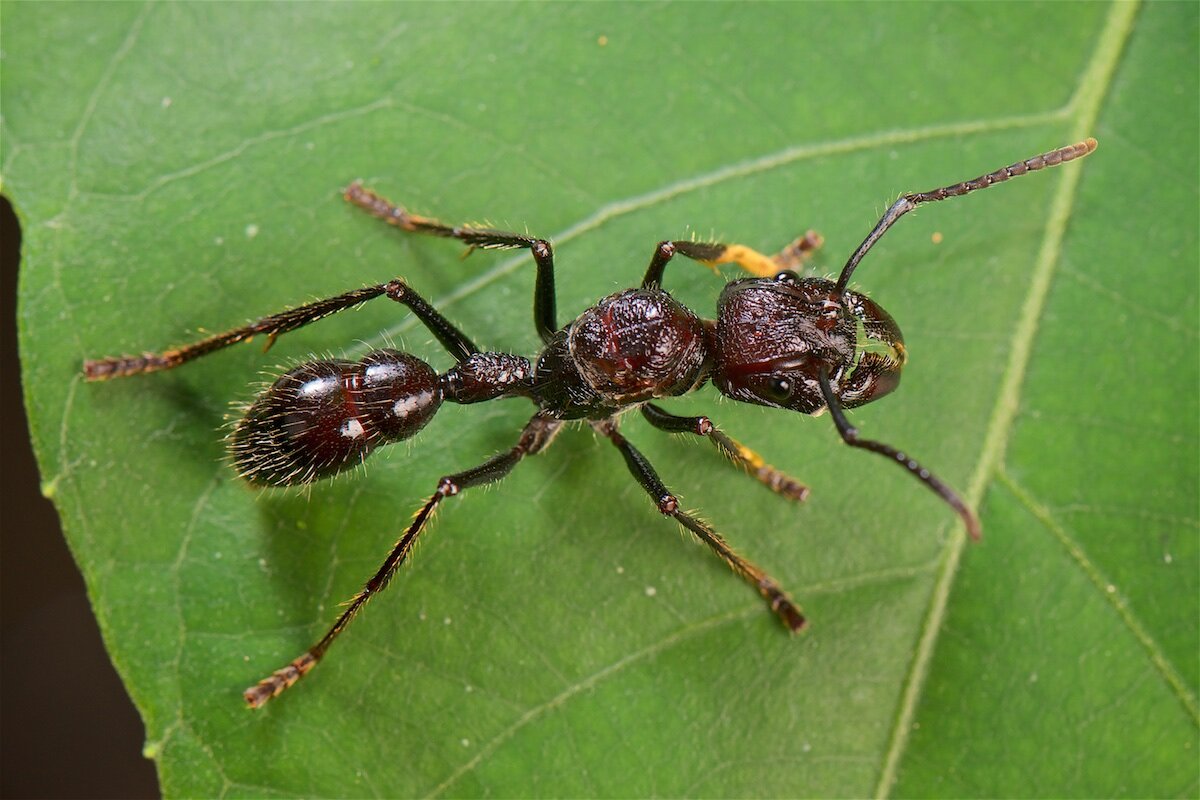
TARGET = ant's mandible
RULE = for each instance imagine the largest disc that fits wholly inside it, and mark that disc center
(779, 340)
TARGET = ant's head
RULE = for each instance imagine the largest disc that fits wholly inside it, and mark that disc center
(774, 335)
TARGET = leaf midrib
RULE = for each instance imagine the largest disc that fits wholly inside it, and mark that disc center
(1084, 108)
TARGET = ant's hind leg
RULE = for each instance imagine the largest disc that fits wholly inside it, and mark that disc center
(276, 325)
(537, 435)
(751, 462)
(713, 254)
(544, 313)
(122, 366)
(783, 606)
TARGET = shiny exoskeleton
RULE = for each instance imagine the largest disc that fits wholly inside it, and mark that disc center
(801, 343)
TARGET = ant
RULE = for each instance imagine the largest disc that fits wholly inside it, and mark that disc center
(779, 340)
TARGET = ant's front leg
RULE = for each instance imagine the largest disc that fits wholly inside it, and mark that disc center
(850, 436)
(538, 433)
(284, 322)
(712, 254)
(544, 314)
(783, 606)
(731, 448)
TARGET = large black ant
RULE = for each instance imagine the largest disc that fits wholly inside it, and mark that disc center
(779, 340)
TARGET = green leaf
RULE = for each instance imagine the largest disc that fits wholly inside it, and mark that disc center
(1070, 655)
(177, 168)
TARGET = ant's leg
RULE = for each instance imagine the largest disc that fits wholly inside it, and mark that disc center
(277, 324)
(910, 201)
(711, 254)
(537, 434)
(734, 450)
(450, 337)
(776, 598)
(544, 315)
(849, 435)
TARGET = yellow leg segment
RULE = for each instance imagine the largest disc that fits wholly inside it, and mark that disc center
(757, 468)
(763, 266)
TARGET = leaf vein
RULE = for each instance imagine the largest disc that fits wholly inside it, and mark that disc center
(238, 150)
(1084, 110)
(89, 108)
(1157, 657)
(649, 651)
(741, 169)
(581, 685)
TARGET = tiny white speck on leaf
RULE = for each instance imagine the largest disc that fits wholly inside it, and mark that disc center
(620, 570)
(447, 621)
(651, 591)
(1167, 559)
(251, 231)
(466, 742)
(166, 102)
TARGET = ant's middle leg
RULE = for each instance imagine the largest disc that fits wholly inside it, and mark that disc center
(275, 325)
(712, 254)
(751, 462)
(544, 314)
(537, 435)
(783, 606)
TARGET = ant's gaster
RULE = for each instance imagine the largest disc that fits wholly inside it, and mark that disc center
(778, 340)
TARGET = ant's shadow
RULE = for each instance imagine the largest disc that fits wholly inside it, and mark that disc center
(323, 541)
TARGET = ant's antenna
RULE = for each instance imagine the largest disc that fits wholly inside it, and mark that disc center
(910, 201)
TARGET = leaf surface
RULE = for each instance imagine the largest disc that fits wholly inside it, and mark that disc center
(177, 167)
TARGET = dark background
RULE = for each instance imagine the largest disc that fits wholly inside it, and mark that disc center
(67, 727)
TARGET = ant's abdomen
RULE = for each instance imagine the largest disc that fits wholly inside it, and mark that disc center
(324, 417)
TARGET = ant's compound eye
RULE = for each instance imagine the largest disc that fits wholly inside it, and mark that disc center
(787, 276)
(779, 389)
